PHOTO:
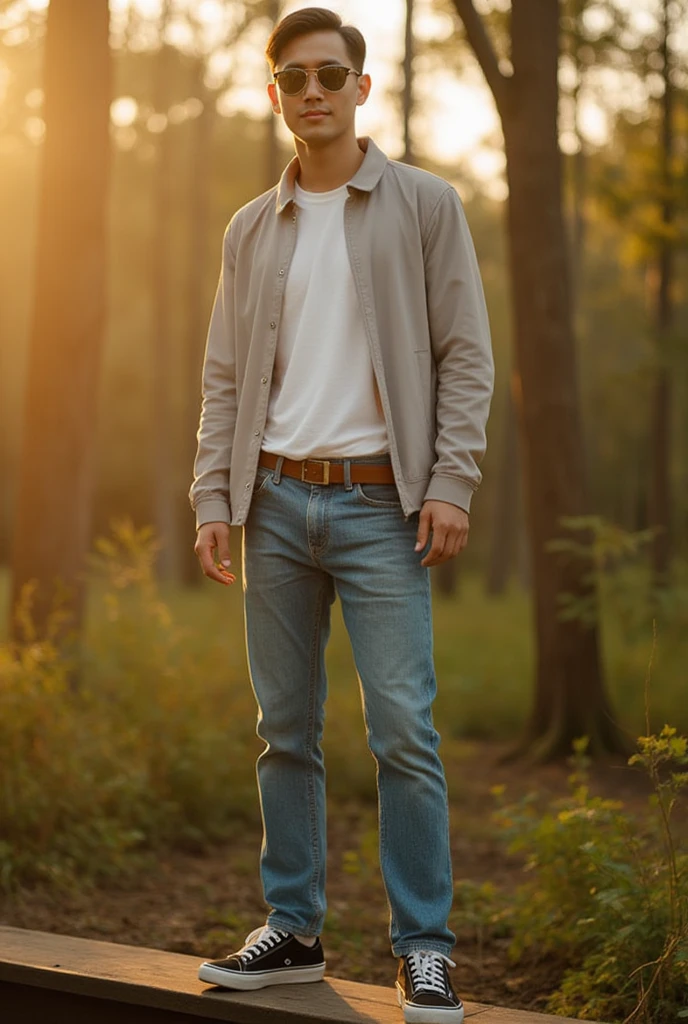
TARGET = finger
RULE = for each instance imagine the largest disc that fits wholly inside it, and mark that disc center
(434, 555)
(423, 530)
(223, 553)
(458, 543)
(218, 573)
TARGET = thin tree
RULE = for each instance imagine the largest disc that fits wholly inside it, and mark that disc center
(661, 410)
(408, 97)
(506, 508)
(199, 218)
(165, 505)
(56, 475)
(570, 698)
(272, 160)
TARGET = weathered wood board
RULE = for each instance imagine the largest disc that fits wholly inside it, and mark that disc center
(55, 978)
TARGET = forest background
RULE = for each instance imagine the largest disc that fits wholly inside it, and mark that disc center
(564, 128)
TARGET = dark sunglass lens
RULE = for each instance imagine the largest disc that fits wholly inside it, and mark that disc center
(292, 81)
(332, 78)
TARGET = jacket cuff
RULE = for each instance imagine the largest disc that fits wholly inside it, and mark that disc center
(213, 510)
(451, 490)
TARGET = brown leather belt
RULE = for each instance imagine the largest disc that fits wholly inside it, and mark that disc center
(321, 471)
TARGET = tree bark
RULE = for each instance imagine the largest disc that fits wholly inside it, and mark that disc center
(660, 484)
(163, 470)
(407, 98)
(445, 577)
(198, 207)
(578, 160)
(272, 162)
(570, 698)
(506, 512)
(56, 474)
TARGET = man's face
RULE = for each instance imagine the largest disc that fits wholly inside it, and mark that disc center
(315, 116)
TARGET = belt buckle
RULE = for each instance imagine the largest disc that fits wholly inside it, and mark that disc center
(325, 471)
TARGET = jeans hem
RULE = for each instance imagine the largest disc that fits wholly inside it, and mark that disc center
(403, 948)
(284, 926)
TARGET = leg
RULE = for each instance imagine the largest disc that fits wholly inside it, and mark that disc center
(287, 606)
(385, 597)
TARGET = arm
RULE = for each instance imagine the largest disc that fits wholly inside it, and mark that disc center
(209, 493)
(462, 353)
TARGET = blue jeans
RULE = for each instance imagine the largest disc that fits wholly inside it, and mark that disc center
(304, 543)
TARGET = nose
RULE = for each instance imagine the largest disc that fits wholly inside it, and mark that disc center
(313, 88)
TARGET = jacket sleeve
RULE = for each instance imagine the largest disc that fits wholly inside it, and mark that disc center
(462, 353)
(209, 493)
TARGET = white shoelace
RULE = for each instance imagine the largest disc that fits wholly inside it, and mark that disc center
(427, 971)
(260, 941)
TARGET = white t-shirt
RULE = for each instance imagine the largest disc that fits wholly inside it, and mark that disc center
(322, 402)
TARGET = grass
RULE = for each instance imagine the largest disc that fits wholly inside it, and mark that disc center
(158, 743)
(156, 748)
(484, 655)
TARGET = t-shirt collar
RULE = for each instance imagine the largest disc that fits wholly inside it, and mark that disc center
(365, 179)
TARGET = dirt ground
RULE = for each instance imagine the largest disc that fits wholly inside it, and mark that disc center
(205, 903)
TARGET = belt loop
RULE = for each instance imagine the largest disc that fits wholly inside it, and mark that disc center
(277, 475)
(347, 475)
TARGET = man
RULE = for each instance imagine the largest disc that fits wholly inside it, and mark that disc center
(346, 387)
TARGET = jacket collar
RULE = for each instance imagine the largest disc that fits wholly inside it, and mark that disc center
(365, 179)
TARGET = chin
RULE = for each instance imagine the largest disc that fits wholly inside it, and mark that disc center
(315, 134)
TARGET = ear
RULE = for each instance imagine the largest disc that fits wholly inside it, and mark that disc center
(363, 91)
(274, 98)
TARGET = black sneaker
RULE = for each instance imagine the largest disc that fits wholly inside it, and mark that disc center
(269, 957)
(424, 990)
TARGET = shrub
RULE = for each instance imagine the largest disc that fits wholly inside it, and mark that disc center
(134, 747)
(608, 896)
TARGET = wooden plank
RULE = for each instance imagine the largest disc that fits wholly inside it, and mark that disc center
(161, 981)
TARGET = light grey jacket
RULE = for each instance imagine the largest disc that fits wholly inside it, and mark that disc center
(418, 283)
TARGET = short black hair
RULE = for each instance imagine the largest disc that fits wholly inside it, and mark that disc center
(315, 19)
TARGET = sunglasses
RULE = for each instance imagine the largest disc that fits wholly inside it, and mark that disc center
(332, 78)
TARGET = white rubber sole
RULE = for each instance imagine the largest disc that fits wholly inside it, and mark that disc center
(260, 979)
(428, 1014)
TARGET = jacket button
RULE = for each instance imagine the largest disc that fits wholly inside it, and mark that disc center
(273, 324)
(247, 486)
(256, 433)
(281, 273)
(263, 380)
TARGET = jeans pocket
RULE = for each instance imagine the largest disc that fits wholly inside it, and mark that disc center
(378, 495)
(262, 477)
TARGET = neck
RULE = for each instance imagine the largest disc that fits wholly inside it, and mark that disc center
(327, 168)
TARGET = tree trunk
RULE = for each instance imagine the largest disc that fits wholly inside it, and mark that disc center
(5, 451)
(578, 160)
(505, 516)
(272, 162)
(570, 698)
(407, 109)
(660, 492)
(445, 577)
(164, 463)
(198, 207)
(56, 474)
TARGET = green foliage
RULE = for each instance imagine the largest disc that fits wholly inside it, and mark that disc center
(607, 897)
(481, 913)
(127, 750)
(619, 582)
(602, 547)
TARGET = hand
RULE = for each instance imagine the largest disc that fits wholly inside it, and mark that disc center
(449, 526)
(211, 536)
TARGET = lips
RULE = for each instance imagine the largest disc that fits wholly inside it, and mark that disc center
(315, 114)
